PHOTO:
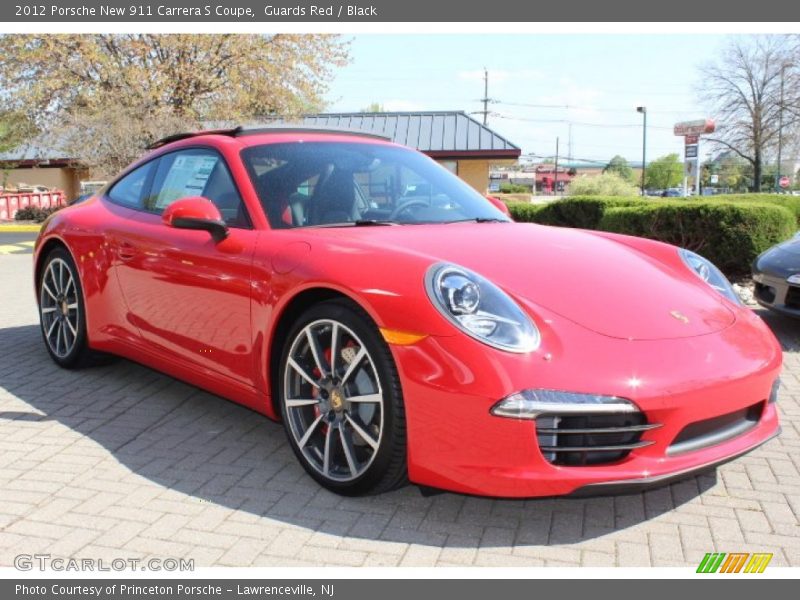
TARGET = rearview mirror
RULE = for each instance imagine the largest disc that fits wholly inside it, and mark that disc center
(196, 212)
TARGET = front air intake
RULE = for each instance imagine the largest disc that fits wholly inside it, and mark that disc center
(590, 439)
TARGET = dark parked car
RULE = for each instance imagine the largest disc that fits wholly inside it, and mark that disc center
(776, 274)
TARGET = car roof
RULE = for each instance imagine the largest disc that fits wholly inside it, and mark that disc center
(242, 131)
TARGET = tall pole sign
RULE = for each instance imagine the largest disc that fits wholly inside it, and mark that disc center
(692, 131)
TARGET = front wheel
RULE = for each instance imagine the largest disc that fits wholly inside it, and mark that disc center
(341, 401)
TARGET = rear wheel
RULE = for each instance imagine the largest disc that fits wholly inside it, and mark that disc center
(62, 314)
(341, 401)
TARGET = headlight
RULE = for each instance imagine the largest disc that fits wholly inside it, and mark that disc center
(480, 309)
(706, 271)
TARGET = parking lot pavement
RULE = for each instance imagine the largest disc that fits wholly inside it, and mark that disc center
(120, 461)
(16, 242)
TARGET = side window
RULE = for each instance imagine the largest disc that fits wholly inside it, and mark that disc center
(197, 172)
(129, 190)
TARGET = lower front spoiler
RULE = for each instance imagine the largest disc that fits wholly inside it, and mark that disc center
(636, 486)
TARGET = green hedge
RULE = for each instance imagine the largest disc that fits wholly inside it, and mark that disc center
(730, 230)
(730, 234)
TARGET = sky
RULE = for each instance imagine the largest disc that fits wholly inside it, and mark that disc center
(594, 82)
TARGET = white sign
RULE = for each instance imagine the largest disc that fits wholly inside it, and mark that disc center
(697, 127)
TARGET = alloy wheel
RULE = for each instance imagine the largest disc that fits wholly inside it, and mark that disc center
(58, 306)
(333, 400)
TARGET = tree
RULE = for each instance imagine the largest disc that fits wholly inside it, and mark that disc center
(63, 82)
(15, 130)
(743, 89)
(607, 184)
(664, 172)
(620, 166)
(373, 107)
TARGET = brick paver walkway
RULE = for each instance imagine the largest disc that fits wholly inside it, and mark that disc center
(120, 461)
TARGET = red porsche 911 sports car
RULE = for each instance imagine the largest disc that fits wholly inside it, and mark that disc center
(400, 325)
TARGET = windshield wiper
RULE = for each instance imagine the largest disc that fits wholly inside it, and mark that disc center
(371, 222)
(481, 220)
(357, 223)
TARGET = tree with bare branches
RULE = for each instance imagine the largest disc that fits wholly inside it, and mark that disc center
(743, 90)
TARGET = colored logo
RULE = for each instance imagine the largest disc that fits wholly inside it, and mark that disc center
(734, 562)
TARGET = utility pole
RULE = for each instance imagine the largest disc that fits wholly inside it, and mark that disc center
(780, 130)
(485, 98)
(555, 173)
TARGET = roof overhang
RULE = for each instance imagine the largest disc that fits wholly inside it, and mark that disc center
(466, 154)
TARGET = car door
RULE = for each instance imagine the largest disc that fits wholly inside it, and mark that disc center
(186, 293)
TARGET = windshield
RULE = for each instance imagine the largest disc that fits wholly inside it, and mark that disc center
(308, 184)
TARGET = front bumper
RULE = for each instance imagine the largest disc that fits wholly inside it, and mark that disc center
(777, 294)
(636, 486)
(451, 383)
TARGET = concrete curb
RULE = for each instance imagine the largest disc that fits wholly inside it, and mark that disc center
(19, 228)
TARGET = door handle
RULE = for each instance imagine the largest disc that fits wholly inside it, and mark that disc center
(126, 251)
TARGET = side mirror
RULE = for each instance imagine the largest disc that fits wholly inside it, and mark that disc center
(499, 204)
(196, 212)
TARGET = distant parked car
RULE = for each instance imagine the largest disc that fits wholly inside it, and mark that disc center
(672, 193)
(776, 274)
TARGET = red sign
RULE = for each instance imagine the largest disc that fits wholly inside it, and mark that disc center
(698, 127)
(692, 139)
(784, 182)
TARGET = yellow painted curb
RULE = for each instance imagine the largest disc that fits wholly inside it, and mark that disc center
(19, 228)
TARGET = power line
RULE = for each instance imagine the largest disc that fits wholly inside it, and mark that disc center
(580, 123)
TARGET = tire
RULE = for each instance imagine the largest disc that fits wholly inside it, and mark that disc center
(345, 424)
(62, 313)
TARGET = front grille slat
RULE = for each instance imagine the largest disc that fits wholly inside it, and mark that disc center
(598, 429)
(591, 438)
(614, 448)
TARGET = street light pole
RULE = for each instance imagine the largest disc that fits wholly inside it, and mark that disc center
(643, 110)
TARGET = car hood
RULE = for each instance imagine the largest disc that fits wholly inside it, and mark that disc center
(599, 283)
(781, 260)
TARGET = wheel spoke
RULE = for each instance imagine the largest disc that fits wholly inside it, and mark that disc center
(361, 432)
(52, 272)
(73, 306)
(316, 351)
(49, 310)
(61, 277)
(326, 457)
(307, 435)
(70, 283)
(71, 327)
(348, 452)
(334, 346)
(47, 289)
(59, 333)
(373, 398)
(352, 367)
(295, 402)
(302, 372)
(51, 328)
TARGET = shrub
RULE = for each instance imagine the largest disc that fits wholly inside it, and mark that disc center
(584, 212)
(787, 201)
(514, 188)
(525, 212)
(34, 213)
(730, 234)
(607, 184)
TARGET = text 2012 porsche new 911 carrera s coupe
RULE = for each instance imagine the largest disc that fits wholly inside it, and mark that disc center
(400, 325)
